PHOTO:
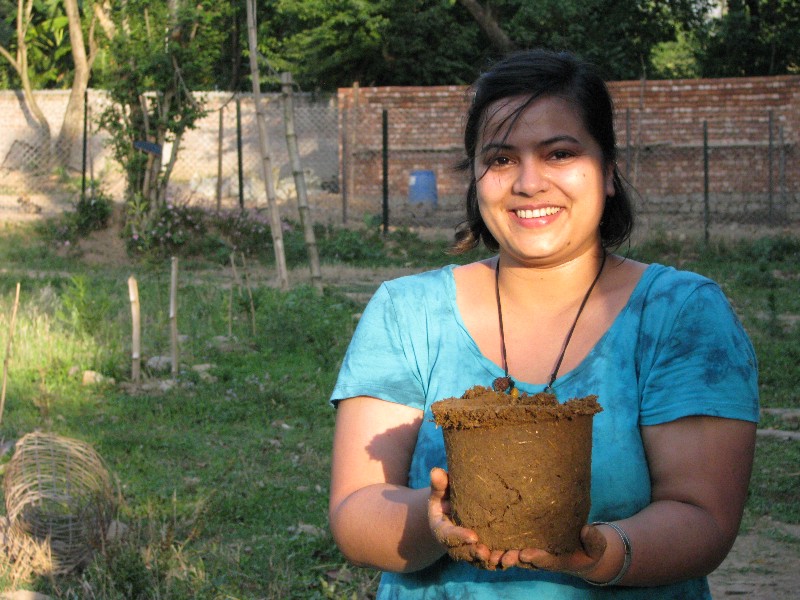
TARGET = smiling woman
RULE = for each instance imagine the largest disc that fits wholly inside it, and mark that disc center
(544, 176)
(669, 471)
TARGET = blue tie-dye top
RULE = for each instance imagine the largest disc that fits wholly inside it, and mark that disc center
(675, 350)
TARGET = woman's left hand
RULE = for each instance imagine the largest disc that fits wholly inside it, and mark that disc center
(580, 563)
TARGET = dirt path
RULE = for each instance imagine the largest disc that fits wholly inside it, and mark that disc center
(761, 566)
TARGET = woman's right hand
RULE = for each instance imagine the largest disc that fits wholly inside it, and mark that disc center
(461, 543)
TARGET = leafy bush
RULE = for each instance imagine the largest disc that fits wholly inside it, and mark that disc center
(92, 212)
(167, 230)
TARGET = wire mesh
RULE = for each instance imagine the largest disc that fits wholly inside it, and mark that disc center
(59, 503)
(717, 172)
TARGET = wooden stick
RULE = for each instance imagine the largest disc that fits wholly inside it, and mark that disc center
(8, 353)
(236, 279)
(173, 315)
(300, 181)
(136, 330)
(250, 294)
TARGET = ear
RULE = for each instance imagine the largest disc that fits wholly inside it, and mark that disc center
(609, 180)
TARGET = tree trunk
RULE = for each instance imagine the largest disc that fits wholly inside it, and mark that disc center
(68, 144)
(485, 19)
(20, 64)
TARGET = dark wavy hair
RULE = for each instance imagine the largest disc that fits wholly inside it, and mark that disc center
(536, 74)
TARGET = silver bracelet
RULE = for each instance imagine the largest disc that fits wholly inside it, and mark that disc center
(626, 562)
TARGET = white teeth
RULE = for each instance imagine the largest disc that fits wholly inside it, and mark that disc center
(537, 213)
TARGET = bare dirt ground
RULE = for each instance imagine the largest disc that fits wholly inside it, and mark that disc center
(764, 563)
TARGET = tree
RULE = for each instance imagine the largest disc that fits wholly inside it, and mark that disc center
(326, 45)
(19, 61)
(484, 16)
(754, 37)
(71, 125)
(160, 54)
(617, 36)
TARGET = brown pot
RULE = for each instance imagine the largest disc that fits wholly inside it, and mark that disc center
(519, 467)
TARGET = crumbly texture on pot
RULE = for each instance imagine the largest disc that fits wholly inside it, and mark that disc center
(481, 406)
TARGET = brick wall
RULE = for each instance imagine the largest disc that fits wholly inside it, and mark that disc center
(659, 127)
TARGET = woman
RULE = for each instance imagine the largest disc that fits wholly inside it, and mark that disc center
(662, 350)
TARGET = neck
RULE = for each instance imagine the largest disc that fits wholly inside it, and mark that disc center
(504, 383)
(549, 288)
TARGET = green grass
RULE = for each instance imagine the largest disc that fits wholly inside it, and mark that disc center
(225, 478)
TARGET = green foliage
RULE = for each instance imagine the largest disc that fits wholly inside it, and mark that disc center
(157, 64)
(167, 230)
(92, 212)
(773, 487)
(81, 306)
(48, 45)
(394, 42)
(757, 37)
(321, 325)
(676, 59)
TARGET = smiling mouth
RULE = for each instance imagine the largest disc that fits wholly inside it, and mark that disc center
(537, 213)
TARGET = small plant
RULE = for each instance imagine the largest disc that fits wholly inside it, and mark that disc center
(92, 211)
(168, 230)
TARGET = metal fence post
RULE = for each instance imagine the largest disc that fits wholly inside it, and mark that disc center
(385, 120)
(706, 208)
(345, 165)
(770, 184)
(627, 143)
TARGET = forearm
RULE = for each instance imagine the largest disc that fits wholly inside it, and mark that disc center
(386, 527)
(671, 541)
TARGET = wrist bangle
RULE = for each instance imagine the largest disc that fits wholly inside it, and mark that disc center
(626, 562)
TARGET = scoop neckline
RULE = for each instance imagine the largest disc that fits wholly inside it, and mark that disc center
(496, 370)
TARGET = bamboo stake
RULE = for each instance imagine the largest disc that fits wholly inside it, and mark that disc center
(8, 353)
(250, 294)
(236, 279)
(266, 159)
(300, 181)
(136, 330)
(173, 315)
(238, 284)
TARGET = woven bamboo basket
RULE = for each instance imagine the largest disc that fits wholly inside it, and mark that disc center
(60, 499)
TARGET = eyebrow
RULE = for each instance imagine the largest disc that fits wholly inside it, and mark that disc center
(499, 146)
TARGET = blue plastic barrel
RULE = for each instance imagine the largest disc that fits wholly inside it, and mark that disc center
(422, 187)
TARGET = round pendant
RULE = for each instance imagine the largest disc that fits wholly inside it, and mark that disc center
(503, 384)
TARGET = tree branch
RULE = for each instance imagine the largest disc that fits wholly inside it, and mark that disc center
(485, 19)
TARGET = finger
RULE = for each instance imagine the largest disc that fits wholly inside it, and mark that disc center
(495, 556)
(533, 556)
(510, 559)
(439, 480)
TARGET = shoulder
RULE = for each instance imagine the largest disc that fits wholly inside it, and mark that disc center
(669, 287)
(433, 284)
(413, 294)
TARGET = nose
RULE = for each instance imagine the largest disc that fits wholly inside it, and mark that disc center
(530, 178)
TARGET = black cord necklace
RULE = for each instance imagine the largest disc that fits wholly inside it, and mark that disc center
(502, 384)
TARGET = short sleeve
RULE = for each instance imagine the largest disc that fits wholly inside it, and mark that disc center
(705, 364)
(377, 362)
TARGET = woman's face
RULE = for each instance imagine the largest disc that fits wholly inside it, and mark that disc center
(542, 184)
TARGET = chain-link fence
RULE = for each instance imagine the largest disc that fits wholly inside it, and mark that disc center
(711, 182)
(218, 165)
(713, 177)
(708, 176)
